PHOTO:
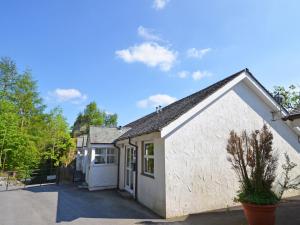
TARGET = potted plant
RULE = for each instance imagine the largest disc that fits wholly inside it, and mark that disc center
(255, 163)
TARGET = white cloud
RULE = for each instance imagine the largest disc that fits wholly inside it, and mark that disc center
(197, 53)
(149, 53)
(148, 34)
(156, 100)
(68, 95)
(198, 75)
(160, 4)
(183, 74)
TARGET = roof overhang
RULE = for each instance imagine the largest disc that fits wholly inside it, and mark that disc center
(202, 105)
(251, 82)
(292, 117)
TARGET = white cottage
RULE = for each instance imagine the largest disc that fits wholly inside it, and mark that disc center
(180, 154)
(102, 158)
(174, 161)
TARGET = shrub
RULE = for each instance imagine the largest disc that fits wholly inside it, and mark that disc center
(254, 161)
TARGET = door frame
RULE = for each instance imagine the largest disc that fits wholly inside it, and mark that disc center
(130, 168)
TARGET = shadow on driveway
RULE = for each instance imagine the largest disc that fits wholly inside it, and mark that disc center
(74, 203)
(52, 204)
(288, 213)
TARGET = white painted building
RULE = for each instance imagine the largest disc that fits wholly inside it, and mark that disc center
(101, 166)
(174, 161)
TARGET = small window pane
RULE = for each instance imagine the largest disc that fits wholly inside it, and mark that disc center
(149, 149)
(110, 159)
(131, 182)
(150, 166)
(100, 160)
(145, 165)
(100, 151)
(110, 151)
(127, 177)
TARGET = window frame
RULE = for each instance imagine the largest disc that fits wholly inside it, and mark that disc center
(105, 155)
(147, 157)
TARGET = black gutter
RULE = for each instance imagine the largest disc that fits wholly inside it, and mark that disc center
(292, 117)
(119, 150)
(136, 168)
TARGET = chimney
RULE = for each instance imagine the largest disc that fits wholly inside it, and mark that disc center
(158, 109)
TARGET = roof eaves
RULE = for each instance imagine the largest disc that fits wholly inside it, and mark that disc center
(292, 117)
(266, 90)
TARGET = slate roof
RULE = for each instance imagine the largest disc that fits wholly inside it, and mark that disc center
(105, 135)
(156, 121)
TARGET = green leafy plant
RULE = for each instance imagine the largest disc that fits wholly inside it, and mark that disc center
(253, 159)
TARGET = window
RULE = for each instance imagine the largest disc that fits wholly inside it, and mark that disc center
(148, 159)
(105, 156)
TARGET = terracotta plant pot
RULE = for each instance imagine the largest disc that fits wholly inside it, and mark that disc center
(260, 214)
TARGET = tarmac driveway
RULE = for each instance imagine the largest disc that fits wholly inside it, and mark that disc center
(51, 204)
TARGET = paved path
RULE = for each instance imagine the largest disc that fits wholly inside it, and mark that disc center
(51, 204)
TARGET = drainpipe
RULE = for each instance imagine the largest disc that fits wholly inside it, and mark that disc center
(136, 168)
(119, 150)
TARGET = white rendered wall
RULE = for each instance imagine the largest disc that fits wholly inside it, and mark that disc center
(79, 157)
(85, 160)
(151, 191)
(102, 176)
(198, 176)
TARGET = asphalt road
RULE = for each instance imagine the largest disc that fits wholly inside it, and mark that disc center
(53, 204)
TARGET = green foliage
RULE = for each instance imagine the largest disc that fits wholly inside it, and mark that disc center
(291, 96)
(258, 198)
(8, 78)
(29, 137)
(92, 116)
(59, 142)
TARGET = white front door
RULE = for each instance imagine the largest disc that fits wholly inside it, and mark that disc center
(129, 172)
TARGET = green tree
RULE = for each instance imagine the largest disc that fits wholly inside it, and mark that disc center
(28, 135)
(27, 100)
(111, 120)
(8, 78)
(17, 151)
(59, 142)
(291, 96)
(92, 116)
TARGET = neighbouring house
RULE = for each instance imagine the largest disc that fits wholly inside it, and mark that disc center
(174, 160)
(102, 157)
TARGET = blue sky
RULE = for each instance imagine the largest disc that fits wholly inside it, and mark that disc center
(130, 55)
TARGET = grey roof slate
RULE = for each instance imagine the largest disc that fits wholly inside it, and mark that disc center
(105, 135)
(156, 121)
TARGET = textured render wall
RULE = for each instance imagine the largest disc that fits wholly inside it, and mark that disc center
(198, 176)
(151, 191)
